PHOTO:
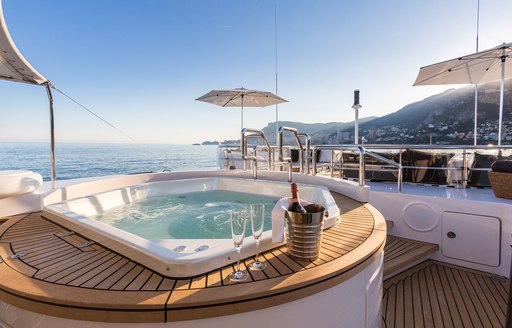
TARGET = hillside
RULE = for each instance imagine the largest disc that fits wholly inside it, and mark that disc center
(319, 132)
(448, 117)
(445, 118)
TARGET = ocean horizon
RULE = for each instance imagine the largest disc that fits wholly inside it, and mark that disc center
(83, 160)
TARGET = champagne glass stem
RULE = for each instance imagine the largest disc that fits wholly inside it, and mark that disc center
(238, 259)
(257, 250)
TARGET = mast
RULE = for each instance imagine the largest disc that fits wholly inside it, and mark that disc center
(275, 58)
(475, 137)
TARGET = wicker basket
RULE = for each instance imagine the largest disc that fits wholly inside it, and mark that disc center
(501, 184)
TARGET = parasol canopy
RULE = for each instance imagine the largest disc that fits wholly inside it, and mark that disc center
(482, 67)
(241, 97)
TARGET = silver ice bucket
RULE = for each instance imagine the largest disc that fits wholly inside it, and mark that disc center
(304, 232)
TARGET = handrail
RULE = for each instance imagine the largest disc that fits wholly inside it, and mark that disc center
(464, 150)
(243, 140)
(433, 147)
(288, 160)
(463, 168)
(387, 161)
(362, 161)
(307, 138)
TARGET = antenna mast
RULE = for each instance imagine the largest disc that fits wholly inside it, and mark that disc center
(475, 137)
(275, 47)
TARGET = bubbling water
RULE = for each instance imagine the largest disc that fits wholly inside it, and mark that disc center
(196, 215)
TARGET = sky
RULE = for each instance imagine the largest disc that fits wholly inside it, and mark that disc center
(140, 65)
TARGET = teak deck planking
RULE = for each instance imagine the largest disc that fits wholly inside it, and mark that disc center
(431, 294)
(434, 294)
(400, 252)
(60, 278)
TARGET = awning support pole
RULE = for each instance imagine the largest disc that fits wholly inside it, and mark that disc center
(502, 88)
(53, 174)
(475, 137)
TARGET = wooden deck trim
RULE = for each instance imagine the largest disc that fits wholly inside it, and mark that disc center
(100, 285)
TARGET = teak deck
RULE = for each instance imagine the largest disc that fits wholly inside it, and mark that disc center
(62, 274)
(434, 294)
(399, 253)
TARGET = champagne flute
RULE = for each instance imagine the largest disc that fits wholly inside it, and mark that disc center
(238, 222)
(257, 221)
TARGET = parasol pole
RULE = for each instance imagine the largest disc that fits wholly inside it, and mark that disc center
(242, 120)
(476, 84)
(275, 59)
(476, 115)
(502, 89)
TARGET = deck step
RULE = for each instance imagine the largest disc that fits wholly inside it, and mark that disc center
(400, 253)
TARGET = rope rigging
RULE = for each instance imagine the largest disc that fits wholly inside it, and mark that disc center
(96, 115)
(111, 125)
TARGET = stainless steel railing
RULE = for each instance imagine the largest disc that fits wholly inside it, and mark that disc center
(307, 150)
(288, 160)
(467, 154)
(255, 133)
(463, 167)
(362, 161)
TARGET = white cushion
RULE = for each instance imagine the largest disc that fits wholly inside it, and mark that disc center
(19, 182)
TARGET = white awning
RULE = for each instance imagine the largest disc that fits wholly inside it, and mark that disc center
(13, 67)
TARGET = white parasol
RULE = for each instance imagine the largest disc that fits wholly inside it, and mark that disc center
(241, 97)
(481, 67)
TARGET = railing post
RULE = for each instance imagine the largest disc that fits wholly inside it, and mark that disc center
(399, 177)
(307, 151)
(299, 145)
(270, 159)
(332, 162)
(281, 156)
(464, 169)
(280, 144)
(255, 168)
(243, 144)
(314, 161)
(362, 165)
(254, 157)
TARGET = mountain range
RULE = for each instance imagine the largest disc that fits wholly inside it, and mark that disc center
(445, 118)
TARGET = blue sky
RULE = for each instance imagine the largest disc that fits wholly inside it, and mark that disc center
(141, 64)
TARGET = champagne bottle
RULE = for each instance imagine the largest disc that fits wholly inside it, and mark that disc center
(296, 206)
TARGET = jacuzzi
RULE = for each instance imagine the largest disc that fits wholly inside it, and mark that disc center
(177, 257)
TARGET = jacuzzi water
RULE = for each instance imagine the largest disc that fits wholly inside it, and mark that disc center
(194, 215)
(179, 255)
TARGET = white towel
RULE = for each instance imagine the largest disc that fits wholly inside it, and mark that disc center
(278, 213)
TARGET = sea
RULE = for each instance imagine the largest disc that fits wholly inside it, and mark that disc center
(79, 160)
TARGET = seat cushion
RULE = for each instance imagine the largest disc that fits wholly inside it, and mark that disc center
(502, 166)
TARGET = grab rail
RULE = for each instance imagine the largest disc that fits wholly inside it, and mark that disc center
(362, 161)
(307, 139)
(243, 140)
(288, 160)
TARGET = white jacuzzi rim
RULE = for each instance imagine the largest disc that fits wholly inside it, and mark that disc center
(190, 262)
